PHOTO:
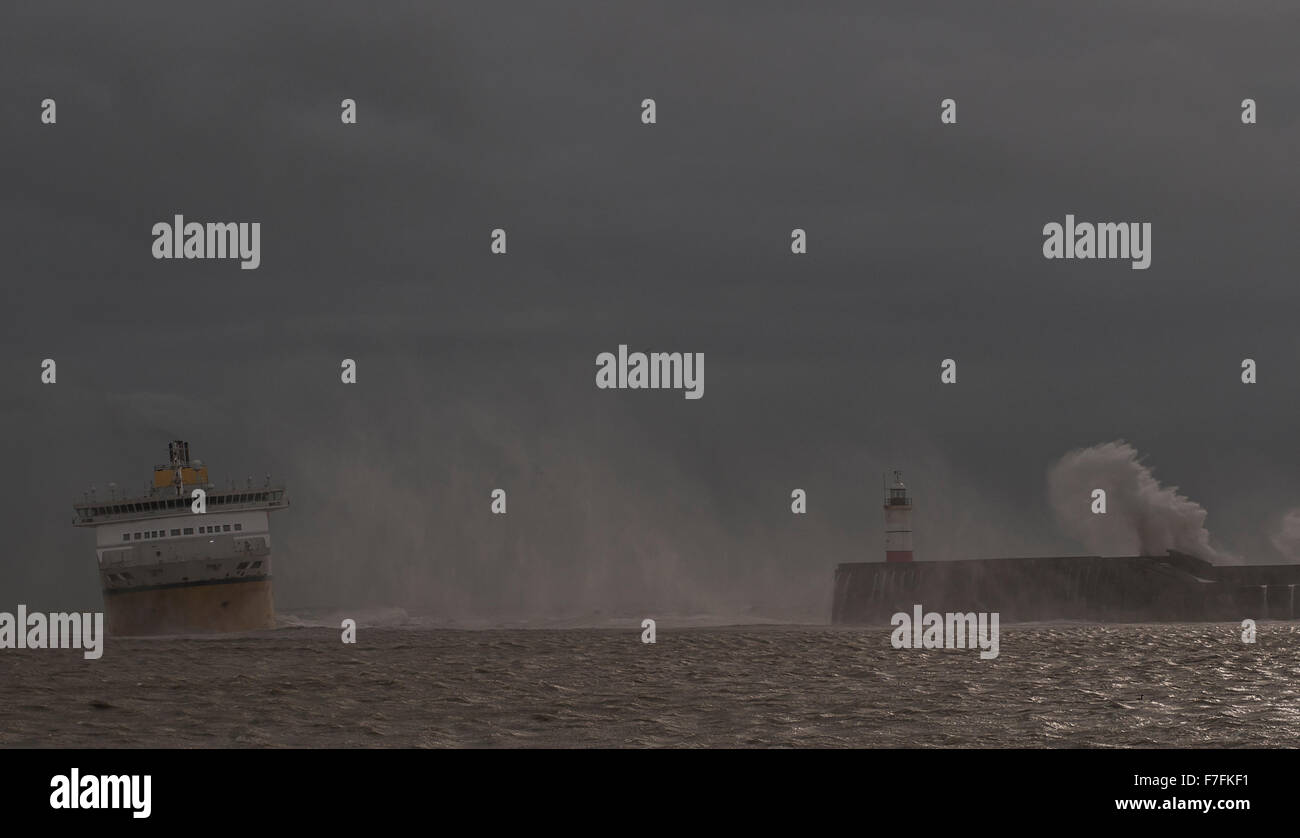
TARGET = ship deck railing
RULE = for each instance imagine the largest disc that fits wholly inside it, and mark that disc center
(144, 507)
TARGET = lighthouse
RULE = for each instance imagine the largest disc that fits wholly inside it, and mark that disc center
(898, 522)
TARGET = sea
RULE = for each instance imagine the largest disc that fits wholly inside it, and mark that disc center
(406, 684)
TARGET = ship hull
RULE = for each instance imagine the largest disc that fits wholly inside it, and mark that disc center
(244, 604)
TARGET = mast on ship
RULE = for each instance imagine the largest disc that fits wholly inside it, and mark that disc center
(178, 453)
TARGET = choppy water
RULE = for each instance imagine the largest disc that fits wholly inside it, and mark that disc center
(1052, 685)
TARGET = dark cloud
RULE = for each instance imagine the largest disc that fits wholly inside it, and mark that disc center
(477, 371)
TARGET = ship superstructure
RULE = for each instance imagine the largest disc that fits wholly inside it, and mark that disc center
(166, 568)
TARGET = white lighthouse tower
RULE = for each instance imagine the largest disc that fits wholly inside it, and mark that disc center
(898, 522)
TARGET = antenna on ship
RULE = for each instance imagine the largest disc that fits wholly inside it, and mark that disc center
(178, 455)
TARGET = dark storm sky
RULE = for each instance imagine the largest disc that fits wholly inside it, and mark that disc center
(477, 371)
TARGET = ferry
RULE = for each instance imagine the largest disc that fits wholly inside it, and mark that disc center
(186, 557)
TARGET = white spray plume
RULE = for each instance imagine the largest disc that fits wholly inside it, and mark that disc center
(1287, 537)
(1142, 517)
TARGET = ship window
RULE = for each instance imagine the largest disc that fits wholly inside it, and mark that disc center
(189, 531)
(238, 527)
(137, 536)
(176, 532)
(241, 565)
(257, 564)
(126, 536)
(225, 528)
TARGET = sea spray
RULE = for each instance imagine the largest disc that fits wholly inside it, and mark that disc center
(1287, 537)
(1142, 517)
